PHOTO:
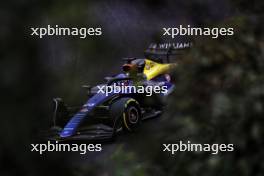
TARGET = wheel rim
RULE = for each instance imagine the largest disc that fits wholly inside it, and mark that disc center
(133, 115)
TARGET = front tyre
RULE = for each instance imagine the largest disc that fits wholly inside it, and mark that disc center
(126, 114)
(60, 114)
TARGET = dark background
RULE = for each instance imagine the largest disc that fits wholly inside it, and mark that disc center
(219, 92)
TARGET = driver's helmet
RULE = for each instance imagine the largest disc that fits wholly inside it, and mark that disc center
(135, 66)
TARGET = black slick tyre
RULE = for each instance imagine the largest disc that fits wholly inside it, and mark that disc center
(126, 113)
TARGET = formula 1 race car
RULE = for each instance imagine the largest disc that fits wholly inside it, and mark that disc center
(106, 114)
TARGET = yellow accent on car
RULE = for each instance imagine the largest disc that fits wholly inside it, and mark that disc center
(130, 100)
(153, 69)
(125, 123)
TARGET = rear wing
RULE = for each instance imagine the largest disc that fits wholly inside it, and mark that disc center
(166, 52)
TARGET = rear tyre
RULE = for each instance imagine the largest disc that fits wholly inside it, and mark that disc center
(60, 114)
(126, 114)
